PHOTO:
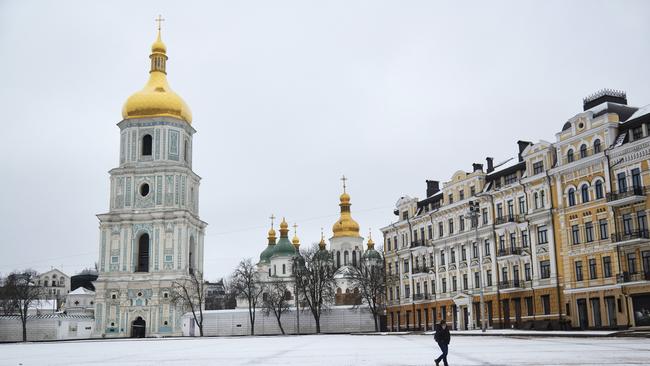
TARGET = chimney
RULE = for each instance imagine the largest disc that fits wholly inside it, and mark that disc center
(522, 146)
(433, 187)
(476, 167)
(490, 164)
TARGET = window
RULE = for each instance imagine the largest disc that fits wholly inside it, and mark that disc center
(444, 285)
(502, 242)
(451, 198)
(522, 205)
(583, 151)
(622, 182)
(407, 291)
(504, 274)
(538, 167)
(463, 253)
(542, 237)
(546, 304)
(631, 262)
(453, 255)
(484, 213)
(461, 194)
(474, 250)
(596, 146)
(569, 156)
(406, 266)
(511, 178)
(430, 231)
(461, 221)
(489, 277)
(527, 271)
(575, 234)
(405, 215)
(529, 306)
(144, 189)
(464, 281)
(284, 269)
(602, 224)
(627, 224)
(472, 190)
(599, 189)
(143, 254)
(636, 180)
(477, 280)
(592, 269)
(440, 231)
(442, 258)
(637, 132)
(513, 240)
(499, 210)
(589, 232)
(642, 224)
(578, 265)
(511, 208)
(536, 199)
(146, 145)
(388, 244)
(572, 197)
(607, 267)
(545, 269)
(454, 283)
(542, 199)
(584, 193)
(451, 226)
(487, 247)
(524, 238)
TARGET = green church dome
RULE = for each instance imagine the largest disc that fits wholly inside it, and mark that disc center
(283, 248)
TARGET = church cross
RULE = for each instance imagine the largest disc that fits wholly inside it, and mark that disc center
(295, 228)
(344, 179)
(272, 217)
(159, 20)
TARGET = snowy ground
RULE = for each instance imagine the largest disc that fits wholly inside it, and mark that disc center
(332, 350)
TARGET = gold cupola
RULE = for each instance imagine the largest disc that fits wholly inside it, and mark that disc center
(322, 244)
(295, 241)
(371, 244)
(157, 99)
(345, 226)
(284, 229)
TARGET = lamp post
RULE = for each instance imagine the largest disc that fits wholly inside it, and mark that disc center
(474, 211)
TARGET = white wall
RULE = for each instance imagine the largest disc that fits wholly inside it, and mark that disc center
(43, 328)
(339, 319)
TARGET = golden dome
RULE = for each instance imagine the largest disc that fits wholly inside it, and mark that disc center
(156, 98)
(271, 236)
(371, 244)
(345, 226)
(284, 229)
(322, 244)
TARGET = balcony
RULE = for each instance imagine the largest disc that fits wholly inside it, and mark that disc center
(510, 218)
(632, 277)
(504, 285)
(417, 243)
(626, 197)
(503, 252)
(421, 269)
(420, 297)
(631, 235)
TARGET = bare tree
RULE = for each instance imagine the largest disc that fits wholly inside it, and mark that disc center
(246, 283)
(276, 300)
(313, 272)
(19, 292)
(370, 279)
(189, 295)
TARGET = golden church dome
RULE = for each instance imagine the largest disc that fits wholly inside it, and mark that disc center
(345, 226)
(157, 98)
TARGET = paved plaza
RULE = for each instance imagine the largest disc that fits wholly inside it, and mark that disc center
(332, 350)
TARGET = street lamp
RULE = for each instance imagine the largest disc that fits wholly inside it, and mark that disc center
(474, 211)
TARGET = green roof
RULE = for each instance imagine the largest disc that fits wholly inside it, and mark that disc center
(283, 248)
(372, 254)
(266, 253)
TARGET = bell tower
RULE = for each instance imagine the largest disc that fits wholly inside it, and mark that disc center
(152, 234)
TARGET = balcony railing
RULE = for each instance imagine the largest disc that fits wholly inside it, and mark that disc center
(511, 284)
(578, 154)
(633, 277)
(632, 192)
(507, 219)
(631, 235)
(417, 243)
(420, 297)
(421, 269)
(502, 252)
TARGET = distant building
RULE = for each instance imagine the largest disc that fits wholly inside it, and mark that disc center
(55, 283)
(80, 301)
(215, 296)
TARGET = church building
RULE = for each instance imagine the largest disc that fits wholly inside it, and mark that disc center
(152, 234)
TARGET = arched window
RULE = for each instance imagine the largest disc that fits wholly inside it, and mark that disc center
(599, 189)
(596, 146)
(146, 145)
(536, 197)
(584, 193)
(354, 258)
(346, 258)
(583, 151)
(284, 268)
(192, 257)
(572, 197)
(338, 259)
(53, 283)
(269, 271)
(569, 156)
(143, 253)
(542, 199)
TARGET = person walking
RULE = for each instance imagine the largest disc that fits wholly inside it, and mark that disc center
(442, 337)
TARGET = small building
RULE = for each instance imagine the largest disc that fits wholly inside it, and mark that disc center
(81, 301)
(55, 283)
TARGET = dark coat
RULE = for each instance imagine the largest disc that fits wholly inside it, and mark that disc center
(442, 336)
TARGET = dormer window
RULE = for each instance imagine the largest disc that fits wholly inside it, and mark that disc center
(405, 215)
(538, 167)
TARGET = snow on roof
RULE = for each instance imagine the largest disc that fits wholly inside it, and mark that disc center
(640, 112)
(81, 291)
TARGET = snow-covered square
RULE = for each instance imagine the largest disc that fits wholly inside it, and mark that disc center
(332, 350)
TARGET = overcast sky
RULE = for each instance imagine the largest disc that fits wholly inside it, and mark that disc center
(287, 96)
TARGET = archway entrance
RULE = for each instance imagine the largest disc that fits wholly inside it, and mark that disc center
(138, 328)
